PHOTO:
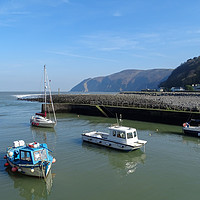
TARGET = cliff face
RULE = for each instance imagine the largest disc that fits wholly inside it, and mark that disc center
(187, 73)
(127, 80)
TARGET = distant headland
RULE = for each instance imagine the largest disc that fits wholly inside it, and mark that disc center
(184, 76)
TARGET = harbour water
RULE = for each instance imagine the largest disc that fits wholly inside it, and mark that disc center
(168, 167)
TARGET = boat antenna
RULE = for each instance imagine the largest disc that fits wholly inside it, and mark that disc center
(120, 118)
(117, 119)
(51, 101)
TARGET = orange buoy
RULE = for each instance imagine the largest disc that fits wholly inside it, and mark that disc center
(54, 160)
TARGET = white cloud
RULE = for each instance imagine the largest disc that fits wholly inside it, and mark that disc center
(156, 54)
(109, 42)
(65, 1)
(109, 48)
(79, 56)
(17, 13)
(117, 14)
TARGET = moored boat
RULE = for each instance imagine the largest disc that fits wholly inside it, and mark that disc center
(31, 159)
(40, 119)
(118, 137)
(192, 128)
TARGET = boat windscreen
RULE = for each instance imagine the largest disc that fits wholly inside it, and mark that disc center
(194, 122)
(25, 155)
(121, 134)
(40, 155)
(129, 135)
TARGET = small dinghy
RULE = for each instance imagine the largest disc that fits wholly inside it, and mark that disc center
(118, 137)
(31, 159)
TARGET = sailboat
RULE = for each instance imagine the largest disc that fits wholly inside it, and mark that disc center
(41, 119)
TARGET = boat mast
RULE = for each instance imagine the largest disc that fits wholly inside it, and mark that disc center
(45, 87)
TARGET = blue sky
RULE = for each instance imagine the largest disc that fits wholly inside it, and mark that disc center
(79, 39)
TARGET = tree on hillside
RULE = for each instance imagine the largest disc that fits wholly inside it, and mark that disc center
(189, 88)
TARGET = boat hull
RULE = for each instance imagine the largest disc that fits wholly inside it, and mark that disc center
(43, 123)
(39, 170)
(192, 131)
(111, 144)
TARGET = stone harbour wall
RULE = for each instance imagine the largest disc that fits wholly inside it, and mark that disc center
(170, 108)
(165, 101)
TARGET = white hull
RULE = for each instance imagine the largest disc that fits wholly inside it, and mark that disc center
(113, 144)
(26, 169)
(42, 122)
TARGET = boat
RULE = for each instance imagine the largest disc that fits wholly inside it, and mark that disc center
(31, 159)
(118, 137)
(40, 119)
(192, 128)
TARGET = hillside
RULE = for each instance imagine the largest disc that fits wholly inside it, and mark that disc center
(187, 73)
(127, 80)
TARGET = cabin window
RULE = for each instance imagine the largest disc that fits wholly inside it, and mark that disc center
(40, 155)
(44, 154)
(37, 155)
(121, 134)
(130, 135)
(135, 134)
(114, 133)
(25, 155)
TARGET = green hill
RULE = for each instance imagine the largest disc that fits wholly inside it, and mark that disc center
(187, 73)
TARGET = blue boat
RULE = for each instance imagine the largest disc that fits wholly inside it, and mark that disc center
(31, 159)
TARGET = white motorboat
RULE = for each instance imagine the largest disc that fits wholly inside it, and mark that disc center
(41, 119)
(118, 137)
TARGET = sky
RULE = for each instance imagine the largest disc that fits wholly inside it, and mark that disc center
(80, 39)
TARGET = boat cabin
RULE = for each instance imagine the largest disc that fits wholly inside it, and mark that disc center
(194, 122)
(30, 154)
(123, 134)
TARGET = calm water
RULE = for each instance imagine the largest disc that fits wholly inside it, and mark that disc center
(168, 169)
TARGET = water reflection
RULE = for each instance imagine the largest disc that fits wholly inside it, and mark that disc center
(127, 163)
(190, 139)
(40, 130)
(44, 135)
(192, 142)
(31, 187)
(124, 163)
